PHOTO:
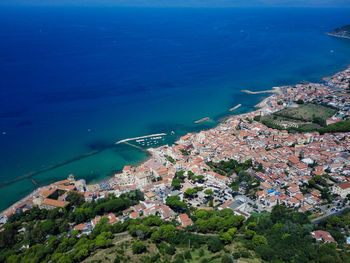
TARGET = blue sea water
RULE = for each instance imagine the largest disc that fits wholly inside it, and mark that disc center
(73, 80)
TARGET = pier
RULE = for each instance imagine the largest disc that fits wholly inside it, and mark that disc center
(259, 92)
(235, 107)
(202, 120)
(142, 137)
(137, 147)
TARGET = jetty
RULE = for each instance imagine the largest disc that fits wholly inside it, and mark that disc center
(235, 107)
(137, 147)
(259, 92)
(202, 120)
(141, 137)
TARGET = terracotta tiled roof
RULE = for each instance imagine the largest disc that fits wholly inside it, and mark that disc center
(185, 220)
(345, 185)
(322, 235)
(80, 227)
(54, 203)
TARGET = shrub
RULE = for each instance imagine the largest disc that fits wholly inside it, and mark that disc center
(138, 247)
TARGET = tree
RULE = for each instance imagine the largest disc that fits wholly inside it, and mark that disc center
(249, 234)
(251, 225)
(215, 245)
(138, 247)
(190, 192)
(75, 198)
(226, 259)
(209, 192)
(187, 255)
(167, 232)
(176, 183)
(259, 240)
(180, 175)
(140, 230)
(257, 118)
(232, 231)
(174, 203)
(201, 213)
(170, 250)
(200, 178)
(104, 239)
(226, 238)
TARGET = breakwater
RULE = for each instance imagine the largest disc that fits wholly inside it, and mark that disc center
(49, 168)
(141, 137)
(202, 120)
(258, 92)
(235, 107)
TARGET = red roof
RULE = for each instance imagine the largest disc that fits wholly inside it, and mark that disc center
(54, 203)
(345, 185)
(80, 227)
(293, 159)
(322, 235)
(127, 168)
(112, 218)
(12, 211)
(185, 220)
(134, 215)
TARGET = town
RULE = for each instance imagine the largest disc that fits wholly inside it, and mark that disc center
(248, 163)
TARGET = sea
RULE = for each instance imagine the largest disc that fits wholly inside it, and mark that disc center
(75, 80)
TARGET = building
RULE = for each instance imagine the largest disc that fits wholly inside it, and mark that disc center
(342, 189)
(48, 203)
(184, 220)
(324, 236)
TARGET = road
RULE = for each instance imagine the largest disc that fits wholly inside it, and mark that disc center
(320, 219)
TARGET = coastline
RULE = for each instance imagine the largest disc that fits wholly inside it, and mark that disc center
(262, 106)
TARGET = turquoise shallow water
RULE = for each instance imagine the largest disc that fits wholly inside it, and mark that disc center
(74, 80)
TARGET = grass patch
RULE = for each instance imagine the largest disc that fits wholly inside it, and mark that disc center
(307, 112)
(305, 118)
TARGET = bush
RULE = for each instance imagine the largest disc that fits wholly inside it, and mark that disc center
(179, 258)
(215, 245)
(226, 259)
(138, 247)
(249, 234)
(170, 250)
(201, 252)
(187, 255)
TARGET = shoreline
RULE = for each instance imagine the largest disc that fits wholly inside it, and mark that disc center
(262, 106)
